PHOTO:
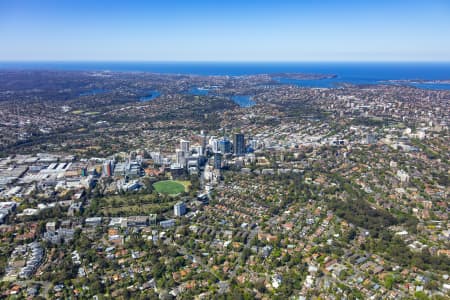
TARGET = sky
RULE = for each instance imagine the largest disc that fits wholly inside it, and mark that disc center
(232, 30)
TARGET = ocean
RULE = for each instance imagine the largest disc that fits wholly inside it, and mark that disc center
(348, 72)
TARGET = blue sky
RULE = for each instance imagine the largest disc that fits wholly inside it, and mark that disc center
(185, 30)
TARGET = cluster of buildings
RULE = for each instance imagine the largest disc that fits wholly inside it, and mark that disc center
(193, 158)
(6, 208)
(268, 224)
(24, 261)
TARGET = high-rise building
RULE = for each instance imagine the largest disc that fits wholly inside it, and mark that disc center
(217, 161)
(203, 135)
(214, 143)
(184, 146)
(107, 168)
(181, 157)
(133, 155)
(157, 157)
(198, 150)
(179, 209)
(239, 144)
(215, 146)
(224, 146)
(176, 171)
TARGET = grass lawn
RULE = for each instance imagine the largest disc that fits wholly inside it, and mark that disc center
(169, 187)
(134, 204)
(186, 184)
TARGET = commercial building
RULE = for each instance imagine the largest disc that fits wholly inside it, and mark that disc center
(167, 223)
(184, 146)
(214, 144)
(217, 161)
(239, 144)
(108, 168)
(197, 150)
(176, 171)
(224, 146)
(181, 157)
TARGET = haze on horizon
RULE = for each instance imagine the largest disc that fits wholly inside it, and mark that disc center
(175, 30)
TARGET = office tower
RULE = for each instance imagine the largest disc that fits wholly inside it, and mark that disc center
(217, 161)
(203, 134)
(224, 146)
(176, 171)
(197, 149)
(157, 157)
(184, 146)
(239, 144)
(214, 144)
(181, 157)
(133, 155)
(107, 168)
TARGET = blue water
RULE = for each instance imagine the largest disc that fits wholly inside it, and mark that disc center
(432, 86)
(348, 72)
(243, 100)
(151, 96)
(196, 91)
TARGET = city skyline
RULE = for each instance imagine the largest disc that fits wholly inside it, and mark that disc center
(228, 31)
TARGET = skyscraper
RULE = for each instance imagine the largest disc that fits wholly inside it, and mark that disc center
(214, 143)
(197, 149)
(184, 146)
(224, 146)
(157, 157)
(217, 161)
(84, 172)
(239, 144)
(181, 157)
(107, 168)
(204, 142)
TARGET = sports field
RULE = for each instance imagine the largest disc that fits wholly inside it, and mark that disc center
(169, 187)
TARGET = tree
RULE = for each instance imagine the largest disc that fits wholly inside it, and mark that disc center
(389, 282)
(245, 254)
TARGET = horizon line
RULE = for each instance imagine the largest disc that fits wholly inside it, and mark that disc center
(223, 61)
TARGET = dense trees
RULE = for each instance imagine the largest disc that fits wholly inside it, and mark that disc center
(360, 213)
